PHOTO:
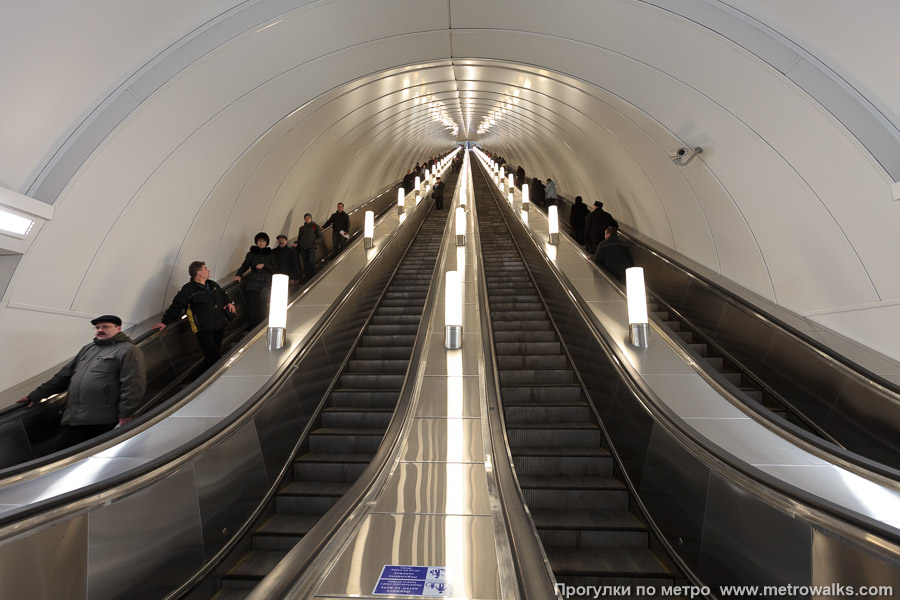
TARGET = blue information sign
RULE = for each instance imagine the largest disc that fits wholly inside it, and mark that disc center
(408, 580)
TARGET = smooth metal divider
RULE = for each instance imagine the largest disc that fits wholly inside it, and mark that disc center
(215, 561)
(154, 413)
(141, 481)
(533, 571)
(300, 572)
(881, 542)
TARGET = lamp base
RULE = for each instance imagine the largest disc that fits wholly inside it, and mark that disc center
(453, 337)
(526, 206)
(368, 243)
(554, 238)
(640, 334)
(275, 338)
(460, 240)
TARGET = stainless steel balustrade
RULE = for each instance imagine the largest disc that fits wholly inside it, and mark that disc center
(730, 521)
(144, 526)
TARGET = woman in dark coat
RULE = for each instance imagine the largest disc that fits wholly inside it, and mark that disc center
(258, 283)
(577, 214)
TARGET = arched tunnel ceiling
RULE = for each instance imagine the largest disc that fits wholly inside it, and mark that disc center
(272, 109)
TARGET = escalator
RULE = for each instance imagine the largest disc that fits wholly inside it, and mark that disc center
(773, 367)
(352, 423)
(173, 361)
(587, 519)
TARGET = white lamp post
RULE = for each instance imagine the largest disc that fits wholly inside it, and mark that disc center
(553, 223)
(277, 312)
(638, 323)
(452, 311)
(401, 201)
(509, 197)
(460, 226)
(526, 202)
(369, 230)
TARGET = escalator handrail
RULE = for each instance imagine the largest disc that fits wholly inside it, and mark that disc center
(214, 561)
(825, 448)
(718, 458)
(294, 569)
(150, 407)
(172, 460)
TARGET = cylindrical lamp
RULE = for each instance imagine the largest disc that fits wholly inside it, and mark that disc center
(638, 323)
(418, 197)
(460, 226)
(526, 203)
(452, 311)
(553, 223)
(401, 201)
(369, 230)
(277, 312)
(418, 182)
(509, 197)
(512, 181)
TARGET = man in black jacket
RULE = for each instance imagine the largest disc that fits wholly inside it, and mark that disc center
(286, 260)
(340, 229)
(595, 225)
(614, 255)
(206, 304)
(577, 214)
(105, 384)
(437, 192)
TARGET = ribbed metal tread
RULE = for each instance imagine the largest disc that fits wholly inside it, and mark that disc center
(562, 451)
(573, 482)
(605, 562)
(315, 488)
(288, 524)
(615, 520)
(336, 457)
(256, 564)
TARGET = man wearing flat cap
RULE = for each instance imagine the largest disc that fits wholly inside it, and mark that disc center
(105, 384)
(595, 226)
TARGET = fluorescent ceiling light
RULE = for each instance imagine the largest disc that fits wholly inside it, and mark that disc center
(14, 223)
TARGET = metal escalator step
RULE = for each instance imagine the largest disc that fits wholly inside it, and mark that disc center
(524, 315)
(687, 336)
(345, 440)
(398, 310)
(543, 394)
(282, 532)
(599, 464)
(232, 594)
(733, 377)
(527, 335)
(571, 482)
(364, 398)
(370, 381)
(347, 471)
(716, 363)
(754, 393)
(353, 418)
(377, 352)
(536, 376)
(388, 340)
(517, 347)
(553, 434)
(602, 562)
(597, 499)
(547, 413)
(357, 365)
(519, 306)
(533, 361)
(566, 518)
(544, 325)
(255, 565)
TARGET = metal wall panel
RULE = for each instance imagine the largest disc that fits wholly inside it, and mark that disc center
(146, 544)
(48, 564)
(673, 489)
(834, 561)
(231, 481)
(746, 541)
(278, 424)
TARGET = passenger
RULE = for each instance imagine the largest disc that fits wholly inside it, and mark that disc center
(550, 193)
(258, 285)
(409, 182)
(614, 255)
(576, 218)
(595, 225)
(536, 191)
(286, 260)
(308, 244)
(340, 229)
(437, 192)
(520, 177)
(207, 306)
(105, 382)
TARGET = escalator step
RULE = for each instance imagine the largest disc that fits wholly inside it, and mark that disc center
(356, 418)
(555, 413)
(378, 352)
(377, 366)
(516, 347)
(533, 361)
(562, 465)
(282, 532)
(501, 337)
(536, 376)
(371, 381)
(364, 398)
(543, 394)
(601, 563)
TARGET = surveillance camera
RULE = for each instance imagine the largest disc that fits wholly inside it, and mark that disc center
(683, 156)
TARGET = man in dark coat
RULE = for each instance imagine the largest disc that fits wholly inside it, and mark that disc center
(437, 192)
(595, 226)
(520, 177)
(614, 255)
(577, 214)
(258, 283)
(536, 191)
(409, 182)
(340, 229)
(308, 237)
(286, 260)
(206, 303)
(105, 384)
